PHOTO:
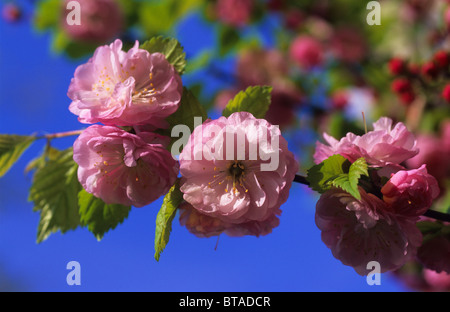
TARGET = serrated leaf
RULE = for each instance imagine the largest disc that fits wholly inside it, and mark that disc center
(171, 48)
(342, 181)
(98, 216)
(319, 176)
(336, 172)
(54, 193)
(189, 108)
(165, 217)
(255, 100)
(358, 168)
(11, 148)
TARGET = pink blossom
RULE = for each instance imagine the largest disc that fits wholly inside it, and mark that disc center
(348, 45)
(433, 154)
(222, 179)
(199, 224)
(124, 168)
(125, 88)
(261, 67)
(11, 12)
(434, 254)
(438, 281)
(360, 231)
(235, 13)
(382, 146)
(202, 225)
(101, 20)
(410, 192)
(307, 52)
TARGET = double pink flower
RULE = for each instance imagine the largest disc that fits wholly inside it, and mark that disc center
(240, 196)
(125, 88)
(379, 226)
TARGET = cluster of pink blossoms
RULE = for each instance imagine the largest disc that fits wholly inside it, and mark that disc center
(381, 226)
(135, 89)
(123, 161)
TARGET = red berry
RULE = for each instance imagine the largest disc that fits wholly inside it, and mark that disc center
(414, 69)
(396, 66)
(339, 99)
(401, 85)
(446, 93)
(442, 59)
(407, 98)
(430, 70)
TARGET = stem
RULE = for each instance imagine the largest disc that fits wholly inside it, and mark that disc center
(60, 134)
(429, 213)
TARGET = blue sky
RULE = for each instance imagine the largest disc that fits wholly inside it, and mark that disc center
(33, 87)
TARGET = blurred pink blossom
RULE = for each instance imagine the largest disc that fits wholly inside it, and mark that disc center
(307, 52)
(101, 21)
(235, 13)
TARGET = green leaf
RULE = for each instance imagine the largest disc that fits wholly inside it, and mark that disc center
(171, 48)
(358, 168)
(189, 108)
(165, 217)
(336, 172)
(98, 216)
(45, 16)
(320, 175)
(160, 17)
(49, 153)
(228, 39)
(255, 100)
(11, 148)
(54, 193)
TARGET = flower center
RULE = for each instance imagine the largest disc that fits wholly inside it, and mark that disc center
(236, 170)
(145, 91)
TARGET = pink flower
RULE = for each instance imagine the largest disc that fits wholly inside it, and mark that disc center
(202, 225)
(260, 67)
(125, 88)
(382, 146)
(237, 180)
(199, 224)
(307, 52)
(235, 13)
(358, 232)
(438, 281)
(11, 12)
(124, 168)
(410, 192)
(100, 21)
(348, 45)
(434, 254)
